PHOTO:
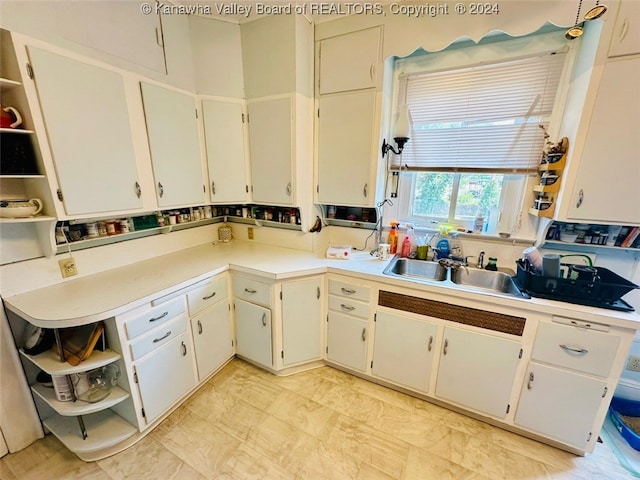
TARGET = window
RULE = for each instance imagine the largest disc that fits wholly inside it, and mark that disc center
(475, 116)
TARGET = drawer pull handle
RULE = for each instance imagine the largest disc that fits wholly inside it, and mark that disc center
(318, 293)
(199, 327)
(347, 307)
(158, 318)
(347, 291)
(530, 382)
(580, 351)
(250, 290)
(364, 334)
(446, 344)
(264, 319)
(209, 296)
(156, 340)
(184, 349)
(430, 343)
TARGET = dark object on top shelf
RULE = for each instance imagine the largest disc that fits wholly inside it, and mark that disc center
(17, 154)
(605, 292)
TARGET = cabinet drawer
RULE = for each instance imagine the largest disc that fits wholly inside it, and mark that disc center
(154, 317)
(158, 337)
(206, 294)
(349, 306)
(576, 348)
(344, 289)
(252, 291)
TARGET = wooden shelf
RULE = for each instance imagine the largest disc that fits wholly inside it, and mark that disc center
(71, 409)
(547, 188)
(6, 84)
(548, 213)
(37, 218)
(550, 191)
(16, 130)
(105, 429)
(50, 362)
(559, 165)
(20, 177)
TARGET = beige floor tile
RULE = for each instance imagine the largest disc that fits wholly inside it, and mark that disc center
(374, 448)
(335, 376)
(422, 465)
(247, 464)
(148, 459)
(36, 453)
(304, 414)
(385, 394)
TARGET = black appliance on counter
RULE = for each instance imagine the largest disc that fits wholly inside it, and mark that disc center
(605, 291)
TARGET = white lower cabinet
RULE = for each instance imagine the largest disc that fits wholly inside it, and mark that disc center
(404, 350)
(347, 340)
(253, 332)
(477, 370)
(212, 338)
(165, 375)
(301, 321)
(559, 404)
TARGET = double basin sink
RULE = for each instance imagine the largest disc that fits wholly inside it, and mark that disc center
(449, 272)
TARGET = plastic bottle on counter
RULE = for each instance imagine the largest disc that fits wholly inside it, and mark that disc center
(478, 224)
(406, 247)
(393, 238)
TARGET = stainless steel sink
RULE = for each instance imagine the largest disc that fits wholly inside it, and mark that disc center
(488, 280)
(416, 269)
(454, 274)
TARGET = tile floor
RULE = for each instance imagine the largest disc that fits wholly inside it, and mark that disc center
(322, 424)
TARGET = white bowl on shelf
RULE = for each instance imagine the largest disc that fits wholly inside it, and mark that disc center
(568, 237)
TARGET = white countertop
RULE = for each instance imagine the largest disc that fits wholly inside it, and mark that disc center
(103, 295)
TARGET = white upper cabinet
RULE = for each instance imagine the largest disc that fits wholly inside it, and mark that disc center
(346, 147)
(224, 138)
(172, 129)
(271, 149)
(87, 121)
(608, 176)
(626, 31)
(351, 61)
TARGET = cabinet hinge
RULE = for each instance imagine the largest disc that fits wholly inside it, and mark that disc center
(589, 436)
(59, 193)
(243, 118)
(281, 295)
(196, 113)
(135, 377)
(318, 188)
(327, 349)
(144, 415)
(605, 392)
(232, 343)
(246, 187)
(371, 363)
(318, 113)
(375, 317)
(520, 354)
(508, 407)
(282, 354)
(229, 307)
(30, 71)
(204, 189)
(327, 318)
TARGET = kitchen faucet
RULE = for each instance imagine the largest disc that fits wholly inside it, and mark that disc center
(480, 260)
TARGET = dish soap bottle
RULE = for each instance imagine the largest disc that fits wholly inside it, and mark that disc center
(406, 247)
(393, 238)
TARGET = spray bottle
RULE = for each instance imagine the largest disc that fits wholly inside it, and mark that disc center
(393, 238)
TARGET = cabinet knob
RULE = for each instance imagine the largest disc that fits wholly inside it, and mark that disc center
(264, 319)
(213, 188)
(318, 293)
(199, 327)
(365, 189)
(184, 349)
(430, 345)
(446, 345)
(289, 189)
(580, 198)
(364, 334)
(160, 189)
(138, 190)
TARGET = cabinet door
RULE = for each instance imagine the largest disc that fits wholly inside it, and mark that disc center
(477, 370)
(165, 376)
(346, 150)
(224, 136)
(350, 62)
(212, 338)
(559, 404)
(253, 332)
(347, 341)
(172, 129)
(85, 112)
(403, 350)
(301, 321)
(626, 31)
(609, 176)
(271, 151)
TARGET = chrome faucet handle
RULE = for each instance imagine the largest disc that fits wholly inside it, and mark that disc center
(466, 259)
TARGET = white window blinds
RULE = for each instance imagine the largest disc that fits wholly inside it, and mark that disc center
(483, 118)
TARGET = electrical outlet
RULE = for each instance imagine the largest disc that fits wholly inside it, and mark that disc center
(250, 233)
(634, 363)
(68, 267)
